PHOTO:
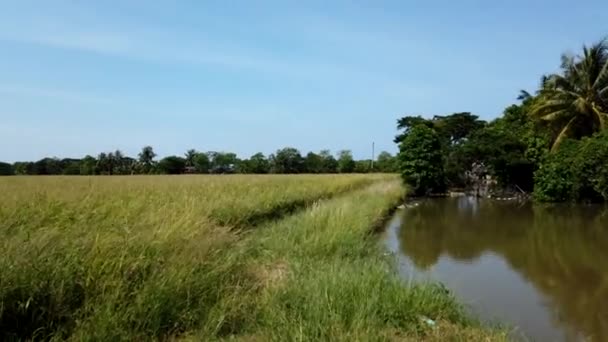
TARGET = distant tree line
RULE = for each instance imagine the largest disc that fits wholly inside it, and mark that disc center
(286, 160)
(554, 143)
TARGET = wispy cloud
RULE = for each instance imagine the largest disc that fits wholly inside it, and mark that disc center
(166, 46)
(56, 94)
(158, 47)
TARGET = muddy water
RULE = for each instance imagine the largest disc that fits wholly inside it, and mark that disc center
(543, 271)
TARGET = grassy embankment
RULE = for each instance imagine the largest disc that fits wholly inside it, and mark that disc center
(170, 257)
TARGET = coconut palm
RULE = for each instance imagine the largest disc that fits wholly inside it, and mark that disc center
(190, 156)
(146, 159)
(575, 103)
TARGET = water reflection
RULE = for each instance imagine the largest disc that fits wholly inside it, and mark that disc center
(543, 269)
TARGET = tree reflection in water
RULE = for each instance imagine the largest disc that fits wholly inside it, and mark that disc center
(562, 250)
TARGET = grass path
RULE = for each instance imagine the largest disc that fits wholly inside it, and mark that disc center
(320, 275)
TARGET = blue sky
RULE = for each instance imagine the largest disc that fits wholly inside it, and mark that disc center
(82, 77)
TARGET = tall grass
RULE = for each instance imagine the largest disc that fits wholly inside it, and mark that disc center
(330, 281)
(139, 258)
(131, 256)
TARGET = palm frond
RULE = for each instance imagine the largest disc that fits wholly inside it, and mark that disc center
(563, 134)
(524, 95)
(553, 116)
(602, 77)
(602, 117)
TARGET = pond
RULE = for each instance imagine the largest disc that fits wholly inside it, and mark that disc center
(542, 271)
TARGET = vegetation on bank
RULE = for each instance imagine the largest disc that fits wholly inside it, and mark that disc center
(552, 143)
(286, 160)
(123, 258)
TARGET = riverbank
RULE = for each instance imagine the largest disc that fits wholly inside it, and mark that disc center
(128, 261)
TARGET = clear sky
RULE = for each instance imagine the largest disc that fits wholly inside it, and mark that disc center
(82, 77)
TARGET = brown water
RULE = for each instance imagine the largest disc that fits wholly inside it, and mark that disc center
(541, 270)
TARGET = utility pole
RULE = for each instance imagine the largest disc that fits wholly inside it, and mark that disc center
(373, 148)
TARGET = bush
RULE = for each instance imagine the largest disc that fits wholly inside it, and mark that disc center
(578, 171)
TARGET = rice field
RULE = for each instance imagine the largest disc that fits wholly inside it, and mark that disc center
(256, 258)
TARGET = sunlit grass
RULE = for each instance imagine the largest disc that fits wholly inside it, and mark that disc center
(134, 258)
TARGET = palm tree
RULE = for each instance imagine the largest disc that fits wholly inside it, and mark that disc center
(575, 103)
(190, 155)
(146, 158)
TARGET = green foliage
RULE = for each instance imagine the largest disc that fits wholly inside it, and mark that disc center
(346, 163)
(576, 171)
(172, 165)
(87, 165)
(258, 164)
(502, 152)
(201, 162)
(70, 166)
(6, 169)
(363, 166)
(287, 160)
(407, 122)
(421, 160)
(574, 103)
(146, 159)
(313, 163)
(452, 128)
(330, 164)
(522, 148)
(47, 166)
(386, 163)
(189, 156)
(223, 162)
(116, 163)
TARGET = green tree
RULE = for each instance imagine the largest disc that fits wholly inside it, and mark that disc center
(24, 168)
(146, 159)
(6, 169)
(201, 162)
(346, 163)
(172, 165)
(363, 166)
(88, 165)
(287, 160)
(258, 163)
(47, 166)
(70, 166)
(102, 163)
(123, 165)
(313, 163)
(503, 152)
(407, 122)
(386, 162)
(421, 160)
(223, 162)
(330, 164)
(575, 102)
(190, 156)
(455, 128)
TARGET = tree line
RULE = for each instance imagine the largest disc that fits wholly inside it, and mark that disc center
(286, 160)
(552, 143)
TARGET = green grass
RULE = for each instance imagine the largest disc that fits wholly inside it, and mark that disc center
(138, 258)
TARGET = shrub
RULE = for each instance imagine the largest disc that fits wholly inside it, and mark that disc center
(578, 171)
